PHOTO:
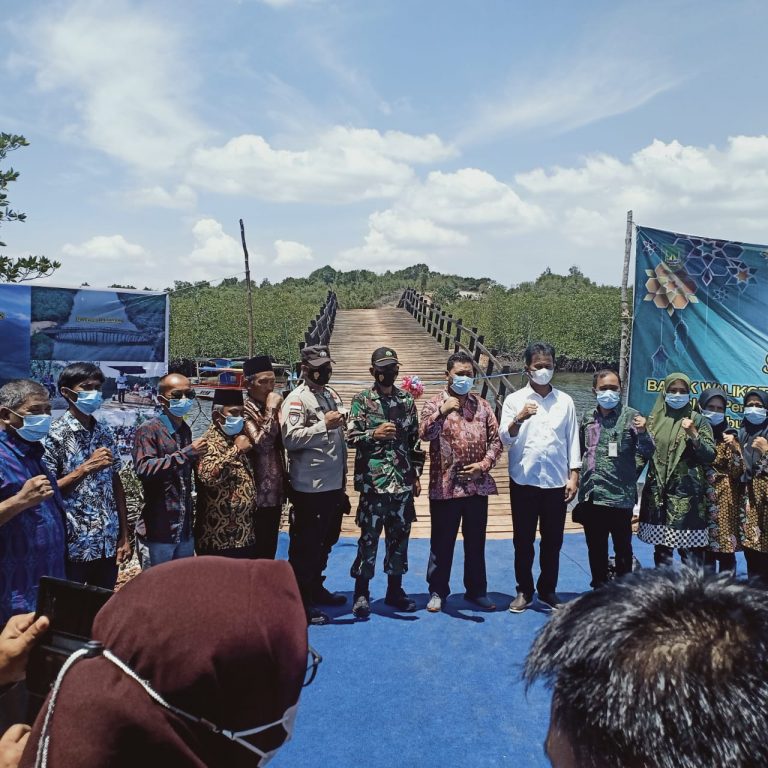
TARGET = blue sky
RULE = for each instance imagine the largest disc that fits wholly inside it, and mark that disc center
(484, 138)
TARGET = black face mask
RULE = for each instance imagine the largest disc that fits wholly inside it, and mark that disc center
(385, 376)
(321, 376)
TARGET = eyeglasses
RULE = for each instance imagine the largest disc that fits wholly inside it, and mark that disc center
(190, 394)
(313, 662)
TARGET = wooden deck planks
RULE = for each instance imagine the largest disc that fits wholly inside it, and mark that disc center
(356, 334)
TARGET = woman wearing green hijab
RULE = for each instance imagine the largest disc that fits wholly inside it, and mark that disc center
(673, 508)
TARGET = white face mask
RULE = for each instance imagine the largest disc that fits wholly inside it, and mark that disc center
(541, 376)
(287, 721)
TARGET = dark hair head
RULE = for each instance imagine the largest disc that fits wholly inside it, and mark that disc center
(660, 669)
(77, 373)
(538, 348)
(604, 372)
(458, 357)
(17, 391)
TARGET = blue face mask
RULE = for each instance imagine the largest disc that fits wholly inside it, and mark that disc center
(754, 414)
(180, 408)
(715, 418)
(89, 402)
(677, 400)
(608, 398)
(35, 428)
(233, 425)
(461, 385)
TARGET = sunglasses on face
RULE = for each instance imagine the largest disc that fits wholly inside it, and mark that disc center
(190, 394)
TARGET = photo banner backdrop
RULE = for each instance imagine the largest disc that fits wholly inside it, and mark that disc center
(44, 328)
(700, 307)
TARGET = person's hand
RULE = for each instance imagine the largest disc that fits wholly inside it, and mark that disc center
(471, 472)
(689, 428)
(451, 404)
(385, 431)
(200, 446)
(639, 423)
(124, 550)
(16, 641)
(36, 490)
(571, 488)
(12, 744)
(732, 441)
(760, 444)
(274, 401)
(528, 410)
(100, 459)
(333, 420)
(243, 444)
(416, 488)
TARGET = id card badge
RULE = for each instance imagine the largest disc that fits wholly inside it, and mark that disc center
(613, 450)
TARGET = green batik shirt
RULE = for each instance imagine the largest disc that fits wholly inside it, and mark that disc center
(384, 466)
(611, 481)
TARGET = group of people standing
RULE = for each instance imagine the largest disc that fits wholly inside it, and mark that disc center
(63, 508)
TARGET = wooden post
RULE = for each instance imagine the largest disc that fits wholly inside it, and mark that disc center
(441, 327)
(488, 372)
(502, 390)
(459, 326)
(447, 338)
(625, 313)
(250, 293)
(480, 341)
(472, 339)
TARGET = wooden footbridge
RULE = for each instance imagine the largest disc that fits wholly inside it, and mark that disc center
(423, 338)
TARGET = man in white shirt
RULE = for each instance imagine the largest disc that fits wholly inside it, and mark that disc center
(539, 426)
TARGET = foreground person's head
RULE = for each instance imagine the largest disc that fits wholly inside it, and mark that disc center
(221, 640)
(661, 669)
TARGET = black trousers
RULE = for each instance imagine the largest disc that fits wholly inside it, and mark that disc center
(315, 528)
(98, 573)
(545, 507)
(446, 515)
(725, 560)
(599, 523)
(757, 565)
(693, 557)
(266, 522)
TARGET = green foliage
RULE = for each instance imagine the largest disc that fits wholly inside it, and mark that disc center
(147, 313)
(54, 304)
(211, 321)
(41, 347)
(27, 267)
(581, 319)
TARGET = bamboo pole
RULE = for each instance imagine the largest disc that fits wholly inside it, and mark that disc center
(625, 313)
(250, 293)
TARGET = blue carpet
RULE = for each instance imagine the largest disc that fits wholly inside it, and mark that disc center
(429, 690)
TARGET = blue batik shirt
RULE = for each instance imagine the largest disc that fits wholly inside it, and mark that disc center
(32, 544)
(93, 525)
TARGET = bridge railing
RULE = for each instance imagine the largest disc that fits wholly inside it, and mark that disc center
(454, 336)
(321, 328)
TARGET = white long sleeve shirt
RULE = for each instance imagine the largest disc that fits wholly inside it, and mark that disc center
(547, 446)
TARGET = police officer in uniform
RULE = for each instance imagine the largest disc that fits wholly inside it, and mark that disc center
(313, 435)
(384, 430)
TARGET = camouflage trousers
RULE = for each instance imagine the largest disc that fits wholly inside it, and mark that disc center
(394, 513)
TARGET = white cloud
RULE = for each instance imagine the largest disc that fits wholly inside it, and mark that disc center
(401, 228)
(105, 247)
(181, 197)
(290, 253)
(103, 260)
(340, 165)
(216, 254)
(126, 68)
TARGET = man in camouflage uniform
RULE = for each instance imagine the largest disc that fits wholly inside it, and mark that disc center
(383, 427)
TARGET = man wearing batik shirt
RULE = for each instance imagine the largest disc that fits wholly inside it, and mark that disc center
(82, 454)
(384, 431)
(226, 487)
(262, 427)
(464, 446)
(32, 535)
(164, 456)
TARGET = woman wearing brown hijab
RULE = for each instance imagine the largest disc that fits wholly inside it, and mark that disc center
(197, 652)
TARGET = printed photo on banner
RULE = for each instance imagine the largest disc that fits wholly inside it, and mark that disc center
(699, 307)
